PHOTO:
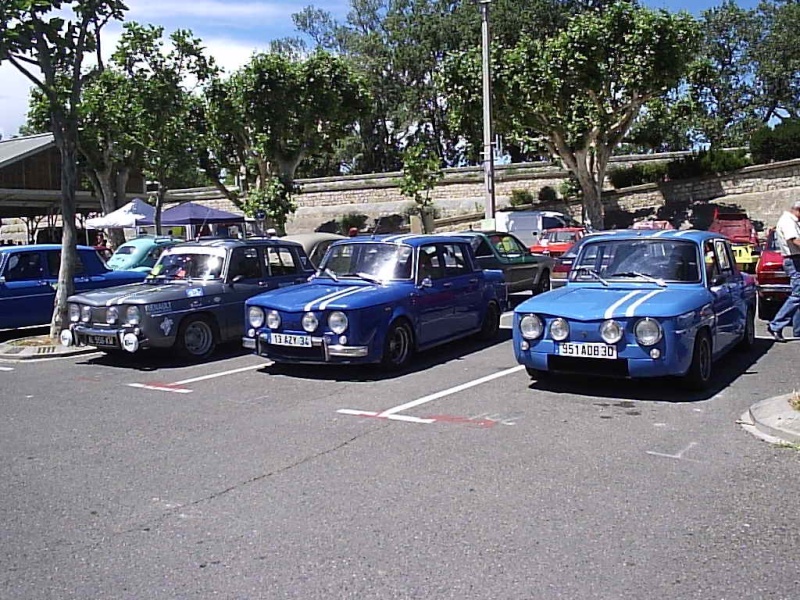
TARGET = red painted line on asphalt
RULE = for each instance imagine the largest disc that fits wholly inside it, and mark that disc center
(161, 387)
(482, 423)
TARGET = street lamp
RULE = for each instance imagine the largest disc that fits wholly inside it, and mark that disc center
(488, 153)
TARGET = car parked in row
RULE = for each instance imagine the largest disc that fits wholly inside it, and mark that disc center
(379, 300)
(192, 299)
(523, 270)
(315, 244)
(29, 277)
(555, 242)
(141, 253)
(772, 282)
(640, 304)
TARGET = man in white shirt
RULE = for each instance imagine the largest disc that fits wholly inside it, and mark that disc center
(787, 232)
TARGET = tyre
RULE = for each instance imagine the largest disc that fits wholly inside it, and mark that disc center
(544, 283)
(749, 339)
(398, 346)
(699, 374)
(536, 373)
(197, 337)
(491, 323)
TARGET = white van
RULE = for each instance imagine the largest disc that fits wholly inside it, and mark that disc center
(528, 225)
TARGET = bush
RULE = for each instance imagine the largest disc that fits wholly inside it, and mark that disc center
(781, 143)
(708, 163)
(520, 197)
(356, 220)
(638, 174)
(570, 188)
(547, 195)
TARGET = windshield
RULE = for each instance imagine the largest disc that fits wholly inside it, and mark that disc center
(125, 250)
(188, 266)
(377, 260)
(653, 260)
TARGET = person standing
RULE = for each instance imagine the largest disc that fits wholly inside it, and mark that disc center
(787, 232)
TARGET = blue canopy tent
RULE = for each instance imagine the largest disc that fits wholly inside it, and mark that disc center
(198, 217)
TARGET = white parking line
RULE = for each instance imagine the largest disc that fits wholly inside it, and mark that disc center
(391, 413)
(6, 368)
(177, 388)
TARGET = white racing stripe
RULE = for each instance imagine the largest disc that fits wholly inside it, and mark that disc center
(325, 304)
(327, 296)
(610, 310)
(632, 308)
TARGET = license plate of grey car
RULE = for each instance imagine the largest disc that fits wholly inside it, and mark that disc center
(298, 341)
(101, 340)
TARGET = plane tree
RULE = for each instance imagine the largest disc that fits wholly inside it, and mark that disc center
(48, 40)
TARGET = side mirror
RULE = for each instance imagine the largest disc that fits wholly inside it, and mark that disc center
(426, 282)
(237, 279)
(717, 280)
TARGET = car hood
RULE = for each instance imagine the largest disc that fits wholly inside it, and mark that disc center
(587, 303)
(146, 293)
(324, 294)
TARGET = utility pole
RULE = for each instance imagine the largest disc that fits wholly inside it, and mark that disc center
(488, 153)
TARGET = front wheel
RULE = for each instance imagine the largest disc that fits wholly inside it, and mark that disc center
(196, 338)
(699, 374)
(749, 339)
(398, 347)
(544, 283)
(491, 323)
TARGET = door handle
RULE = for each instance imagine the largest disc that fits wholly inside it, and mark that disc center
(473, 281)
(447, 284)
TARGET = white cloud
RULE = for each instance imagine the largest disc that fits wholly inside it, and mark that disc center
(13, 100)
(223, 10)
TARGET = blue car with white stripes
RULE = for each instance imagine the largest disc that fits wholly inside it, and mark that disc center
(379, 300)
(640, 304)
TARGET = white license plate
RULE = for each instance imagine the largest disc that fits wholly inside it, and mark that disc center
(101, 340)
(281, 339)
(587, 350)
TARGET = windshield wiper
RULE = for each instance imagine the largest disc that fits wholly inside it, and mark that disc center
(365, 277)
(594, 274)
(649, 278)
(329, 273)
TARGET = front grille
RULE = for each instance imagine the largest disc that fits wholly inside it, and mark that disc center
(589, 366)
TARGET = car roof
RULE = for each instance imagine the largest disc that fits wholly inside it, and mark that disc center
(236, 243)
(693, 235)
(408, 239)
(41, 247)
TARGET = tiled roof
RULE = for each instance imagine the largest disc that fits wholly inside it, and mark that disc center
(15, 149)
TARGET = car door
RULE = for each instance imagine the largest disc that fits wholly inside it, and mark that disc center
(245, 277)
(464, 282)
(718, 277)
(26, 297)
(736, 287)
(435, 296)
(81, 280)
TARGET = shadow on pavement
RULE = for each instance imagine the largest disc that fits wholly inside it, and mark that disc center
(440, 355)
(664, 389)
(157, 358)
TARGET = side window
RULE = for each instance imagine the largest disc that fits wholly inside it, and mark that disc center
(711, 263)
(152, 256)
(430, 263)
(245, 263)
(280, 261)
(54, 264)
(24, 266)
(483, 249)
(724, 257)
(455, 260)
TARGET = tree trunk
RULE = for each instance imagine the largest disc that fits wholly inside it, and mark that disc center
(162, 193)
(117, 236)
(593, 211)
(66, 141)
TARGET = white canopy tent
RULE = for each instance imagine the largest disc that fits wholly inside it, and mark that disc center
(128, 216)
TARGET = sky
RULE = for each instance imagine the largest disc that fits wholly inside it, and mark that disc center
(231, 30)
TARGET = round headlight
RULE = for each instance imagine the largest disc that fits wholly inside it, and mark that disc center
(86, 314)
(133, 315)
(255, 316)
(648, 331)
(310, 322)
(611, 331)
(112, 314)
(559, 329)
(273, 319)
(337, 321)
(530, 326)
(74, 313)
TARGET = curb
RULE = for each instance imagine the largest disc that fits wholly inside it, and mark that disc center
(774, 418)
(11, 352)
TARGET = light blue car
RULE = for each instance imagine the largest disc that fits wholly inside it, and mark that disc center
(640, 304)
(140, 254)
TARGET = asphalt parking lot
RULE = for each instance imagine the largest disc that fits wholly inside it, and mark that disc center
(140, 477)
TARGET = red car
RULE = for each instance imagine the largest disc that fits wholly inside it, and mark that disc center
(772, 282)
(558, 240)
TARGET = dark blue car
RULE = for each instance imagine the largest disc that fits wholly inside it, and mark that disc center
(378, 300)
(29, 275)
(640, 304)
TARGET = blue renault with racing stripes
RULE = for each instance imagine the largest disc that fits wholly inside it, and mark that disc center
(379, 300)
(640, 304)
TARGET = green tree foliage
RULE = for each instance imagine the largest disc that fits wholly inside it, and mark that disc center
(168, 125)
(270, 116)
(777, 59)
(579, 91)
(721, 82)
(780, 143)
(47, 41)
(421, 172)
